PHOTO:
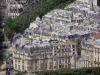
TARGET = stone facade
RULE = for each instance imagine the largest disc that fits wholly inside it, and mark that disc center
(93, 52)
(53, 57)
(20, 7)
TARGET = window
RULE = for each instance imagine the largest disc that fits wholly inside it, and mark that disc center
(54, 54)
(50, 65)
(42, 66)
(19, 67)
(22, 61)
(73, 53)
(15, 60)
(18, 60)
(54, 59)
(55, 67)
(20, 10)
(15, 66)
(73, 46)
(66, 66)
(45, 66)
(98, 2)
(23, 67)
(59, 66)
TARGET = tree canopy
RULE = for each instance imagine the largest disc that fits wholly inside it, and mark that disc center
(21, 73)
(12, 26)
(47, 6)
(82, 71)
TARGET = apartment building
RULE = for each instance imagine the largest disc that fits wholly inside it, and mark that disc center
(43, 55)
(44, 46)
(2, 3)
(95, 2)
(22, 1)
(22, 7)
(91, 49)
(15, 10)
(82, 62)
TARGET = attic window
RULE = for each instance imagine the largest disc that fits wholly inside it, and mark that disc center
(16, 45)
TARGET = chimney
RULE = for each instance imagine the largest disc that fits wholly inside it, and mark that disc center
(91, 4)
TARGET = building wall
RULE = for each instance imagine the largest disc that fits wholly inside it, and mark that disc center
(82, 64)
(20, 60)
(95, 2)
(49, 59)
(93, 54)
(87, 1)
(28, 6)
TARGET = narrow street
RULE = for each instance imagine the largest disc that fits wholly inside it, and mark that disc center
(9, 62)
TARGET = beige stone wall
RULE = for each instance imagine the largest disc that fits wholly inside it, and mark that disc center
(43, 61)
(93, 54)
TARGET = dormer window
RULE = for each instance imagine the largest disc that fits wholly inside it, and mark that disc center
(16, 45)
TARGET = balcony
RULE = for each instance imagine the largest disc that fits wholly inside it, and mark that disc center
(96, 62)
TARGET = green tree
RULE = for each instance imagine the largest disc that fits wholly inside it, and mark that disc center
(81, 71)
(21, 73)
(13, 26)
(9, 33)
(47, 6)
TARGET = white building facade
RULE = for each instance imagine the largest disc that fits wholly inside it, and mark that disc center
(90, 1)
